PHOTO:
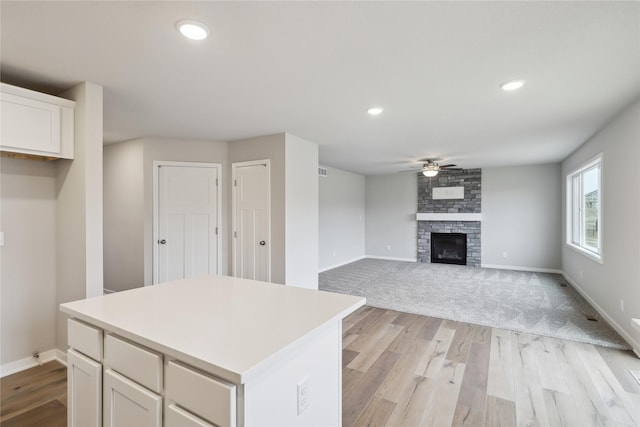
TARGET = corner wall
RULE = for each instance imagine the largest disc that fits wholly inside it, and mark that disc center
(28, 306)
(301, 210)
(521, 217)
(391, 226)
(618, 277)
(341, 218)
(123, 216)
(79, 208)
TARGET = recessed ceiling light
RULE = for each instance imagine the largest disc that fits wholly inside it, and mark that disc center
(193, 30)
(512, 85)
(375, 111)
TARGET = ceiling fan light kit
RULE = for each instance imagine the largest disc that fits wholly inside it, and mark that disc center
(431, 168)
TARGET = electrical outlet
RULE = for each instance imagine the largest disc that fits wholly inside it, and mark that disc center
(303, 395)
(504, 254)
(334, 253)
(621, 304)
(388, 248)
(581, 274)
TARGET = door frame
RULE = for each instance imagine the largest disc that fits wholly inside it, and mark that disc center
(234, 168)
(157, 164)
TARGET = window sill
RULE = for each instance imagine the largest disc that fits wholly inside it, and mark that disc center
(595, 257)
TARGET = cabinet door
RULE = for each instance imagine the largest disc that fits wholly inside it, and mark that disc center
(84, 391)
(127, 404)
(30, 124)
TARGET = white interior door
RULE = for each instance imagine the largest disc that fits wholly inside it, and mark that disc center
(188, 214)
(251, 220)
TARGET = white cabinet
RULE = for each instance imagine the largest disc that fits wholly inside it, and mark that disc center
(34, 123)
(209, 398)
(178, 417)
(84, 390)
(84, 375)
(127, 404)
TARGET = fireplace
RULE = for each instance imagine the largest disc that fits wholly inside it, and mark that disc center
(449, 248)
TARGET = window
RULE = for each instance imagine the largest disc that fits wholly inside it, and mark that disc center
(584, 208)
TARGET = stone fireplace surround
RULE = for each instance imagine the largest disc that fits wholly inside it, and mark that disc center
(450, 215)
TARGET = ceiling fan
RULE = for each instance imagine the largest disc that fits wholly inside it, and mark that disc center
(431, 168)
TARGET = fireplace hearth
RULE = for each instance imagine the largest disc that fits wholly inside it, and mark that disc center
(449, 248)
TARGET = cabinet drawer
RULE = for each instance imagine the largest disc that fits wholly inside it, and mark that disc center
(177, 417)
(85, 339)
(206, 397)
(141, 365)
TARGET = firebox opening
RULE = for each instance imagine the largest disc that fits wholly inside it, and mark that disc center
(449, 248)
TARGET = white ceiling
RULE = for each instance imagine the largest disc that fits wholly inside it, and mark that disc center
(312, 69)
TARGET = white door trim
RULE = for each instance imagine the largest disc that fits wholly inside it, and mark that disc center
(156, 209)
(234, 167)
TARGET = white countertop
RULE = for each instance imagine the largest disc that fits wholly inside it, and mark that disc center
(229, 326)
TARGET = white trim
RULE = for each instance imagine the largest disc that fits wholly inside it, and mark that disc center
(234, 167)
(448, 216)
(520, 268)
(391, 258)
(586, 252)
(340, 264)
(156, 209)
(30, 362)
(106, 291)
(628, 338)
(598, 159)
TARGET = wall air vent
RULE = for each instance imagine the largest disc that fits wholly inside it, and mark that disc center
(322, 171)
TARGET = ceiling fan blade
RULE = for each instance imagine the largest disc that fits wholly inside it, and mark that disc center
(450, 169)
(446, 166)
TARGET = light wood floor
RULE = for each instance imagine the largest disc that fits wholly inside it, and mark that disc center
(35, 397)
(408, 370)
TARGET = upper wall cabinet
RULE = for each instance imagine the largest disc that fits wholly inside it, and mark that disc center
(36, 124)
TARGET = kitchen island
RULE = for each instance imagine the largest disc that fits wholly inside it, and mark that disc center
(213, 350)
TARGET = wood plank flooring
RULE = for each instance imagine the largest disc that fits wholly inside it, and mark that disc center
(35, 397)
(402, 369)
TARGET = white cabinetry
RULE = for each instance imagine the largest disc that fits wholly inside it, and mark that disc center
(84, 375)
(210, 399)
(127, 404)
(232, 353)
(34, 123)
(84, 390)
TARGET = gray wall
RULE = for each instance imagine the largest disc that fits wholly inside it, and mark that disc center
(301, 207)
(521, 217)
(79, 217)
(267, 147)
(128, 209)
(123, 216)
(617, 278)
(391, 226)
(28, 264)
(341, 218)
(52, 219)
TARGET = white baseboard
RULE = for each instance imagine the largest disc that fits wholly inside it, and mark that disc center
(340, 264)
(391, 258)
(106, 291)
(628, 338)
(518, 268)
(30, 362)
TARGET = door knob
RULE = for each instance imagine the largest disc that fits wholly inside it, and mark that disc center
(262, 243)
(162, 242)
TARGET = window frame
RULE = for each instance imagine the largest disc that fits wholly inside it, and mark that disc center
(574, 219)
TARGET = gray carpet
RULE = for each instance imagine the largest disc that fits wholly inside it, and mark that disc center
(521, 301)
